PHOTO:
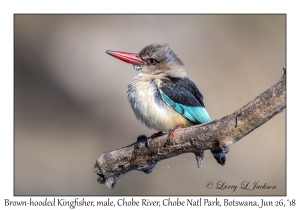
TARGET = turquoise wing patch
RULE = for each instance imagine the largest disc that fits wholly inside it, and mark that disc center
(196, 114)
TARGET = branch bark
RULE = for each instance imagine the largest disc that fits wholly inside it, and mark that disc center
(216, 136)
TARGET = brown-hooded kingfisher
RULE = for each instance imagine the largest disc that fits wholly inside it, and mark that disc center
(161, 95)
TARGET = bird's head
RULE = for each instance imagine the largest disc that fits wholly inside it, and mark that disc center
(153, 59)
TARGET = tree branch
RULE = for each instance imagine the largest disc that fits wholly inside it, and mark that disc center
(216, 136)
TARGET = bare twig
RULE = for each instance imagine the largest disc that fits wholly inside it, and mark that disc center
(216, 136)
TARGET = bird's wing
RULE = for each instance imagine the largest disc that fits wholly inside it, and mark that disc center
(184, 97)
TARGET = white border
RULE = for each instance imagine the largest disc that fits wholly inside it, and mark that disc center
(8, 8)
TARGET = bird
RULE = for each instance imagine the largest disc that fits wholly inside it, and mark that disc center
(161, 95)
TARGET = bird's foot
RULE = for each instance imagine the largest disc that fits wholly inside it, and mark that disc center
(172, 134)
(160, 133)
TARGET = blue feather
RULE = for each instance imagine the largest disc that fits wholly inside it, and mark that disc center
(196, 114)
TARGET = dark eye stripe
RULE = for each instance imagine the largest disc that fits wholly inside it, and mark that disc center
(152, 61)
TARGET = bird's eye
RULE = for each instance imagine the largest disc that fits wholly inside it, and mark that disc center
(152, 61)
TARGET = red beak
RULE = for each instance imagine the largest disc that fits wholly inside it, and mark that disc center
(127, 57)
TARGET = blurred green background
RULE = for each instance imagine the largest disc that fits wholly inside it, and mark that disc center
(70, 101)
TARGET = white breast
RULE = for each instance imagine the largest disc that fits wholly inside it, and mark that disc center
(149, 107)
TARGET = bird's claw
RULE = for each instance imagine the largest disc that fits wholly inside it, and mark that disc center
(148, 142)
(172, 134)
(153, 137)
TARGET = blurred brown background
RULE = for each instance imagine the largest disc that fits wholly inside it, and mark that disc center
(71, 104)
